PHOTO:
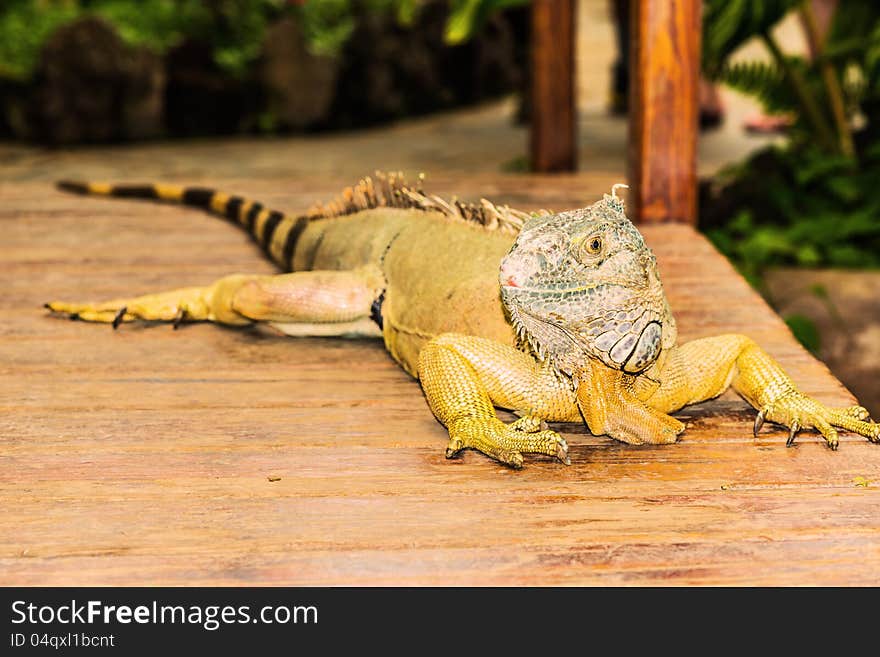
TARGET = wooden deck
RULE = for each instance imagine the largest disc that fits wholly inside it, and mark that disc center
(214, 456)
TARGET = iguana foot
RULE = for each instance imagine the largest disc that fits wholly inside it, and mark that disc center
(506, 442)
(798, 411)
(609, 406)
(174, 309)
(651, 428)
(212, 302)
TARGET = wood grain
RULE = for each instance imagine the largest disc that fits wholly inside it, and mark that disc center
(143, 456)
(553, 133)
(664, 104)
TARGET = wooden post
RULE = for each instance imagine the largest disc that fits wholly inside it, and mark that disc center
(553, 135)
(664, 105)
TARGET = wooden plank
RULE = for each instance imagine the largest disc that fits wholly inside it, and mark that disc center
(143, 456)
(664, 106)
(553, 131)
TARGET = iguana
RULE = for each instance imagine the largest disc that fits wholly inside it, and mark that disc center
(557, 317)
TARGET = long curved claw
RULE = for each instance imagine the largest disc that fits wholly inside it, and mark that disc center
(179, 317)
(562, 453)
(759, 421)
(454, 447)
(828, 432)
(120, 315)
(795, 427)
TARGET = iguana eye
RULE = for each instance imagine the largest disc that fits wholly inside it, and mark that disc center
(592, 246)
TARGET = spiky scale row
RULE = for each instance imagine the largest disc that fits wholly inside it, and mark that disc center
(392, 190)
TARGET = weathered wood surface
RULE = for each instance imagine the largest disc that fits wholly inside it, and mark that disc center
(553, 111)
(143, 456)
(664, 102)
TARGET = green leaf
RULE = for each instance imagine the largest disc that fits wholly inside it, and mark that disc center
(808, 256)
(845, 255)
(764, 81)
(24, 28)
(816, 165)
(466, 17)
(844, 188)
(728, 24)
(407, 11)
(462, 21)
(327, 25)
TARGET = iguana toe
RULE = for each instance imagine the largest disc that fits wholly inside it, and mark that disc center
(798, 411)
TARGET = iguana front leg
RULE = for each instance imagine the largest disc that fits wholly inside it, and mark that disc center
(703, 369)
(302, 303)
(465, 377)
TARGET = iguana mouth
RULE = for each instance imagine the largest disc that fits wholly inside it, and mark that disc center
(630, 350)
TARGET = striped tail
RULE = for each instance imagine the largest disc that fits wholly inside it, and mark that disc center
(275, 231)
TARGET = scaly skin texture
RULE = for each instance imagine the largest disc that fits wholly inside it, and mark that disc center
(555, 317)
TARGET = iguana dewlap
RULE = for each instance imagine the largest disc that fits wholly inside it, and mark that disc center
(558, 317)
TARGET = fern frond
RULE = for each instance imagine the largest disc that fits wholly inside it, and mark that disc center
(764, 81)
(727, 24)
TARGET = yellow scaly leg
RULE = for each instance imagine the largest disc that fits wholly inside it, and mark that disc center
(458, 373)
(703, 369)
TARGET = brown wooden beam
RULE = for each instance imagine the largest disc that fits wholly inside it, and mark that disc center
(553, 136)
(664, 98)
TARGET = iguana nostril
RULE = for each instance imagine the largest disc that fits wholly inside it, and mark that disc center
(519, 270)
(511, 274)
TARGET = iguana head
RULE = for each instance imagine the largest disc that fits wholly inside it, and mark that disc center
(583, 284)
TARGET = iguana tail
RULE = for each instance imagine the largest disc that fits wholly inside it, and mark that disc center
(275, 231)
(278, 233)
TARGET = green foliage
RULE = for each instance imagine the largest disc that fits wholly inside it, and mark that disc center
(466, 17)
(854, 38)
(330, 22)
(815, 201)
(326, 25)
(24, 26)
(762, 80)
(797, 206)
(233, 28)
(845, 74)
(728, 24)
(806, 332)
(158, 24)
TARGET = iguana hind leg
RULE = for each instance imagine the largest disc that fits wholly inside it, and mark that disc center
(465, 377)
(703, 369)
(311, 302)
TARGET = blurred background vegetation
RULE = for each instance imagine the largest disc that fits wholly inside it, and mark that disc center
(202, 67)
(813, 200)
